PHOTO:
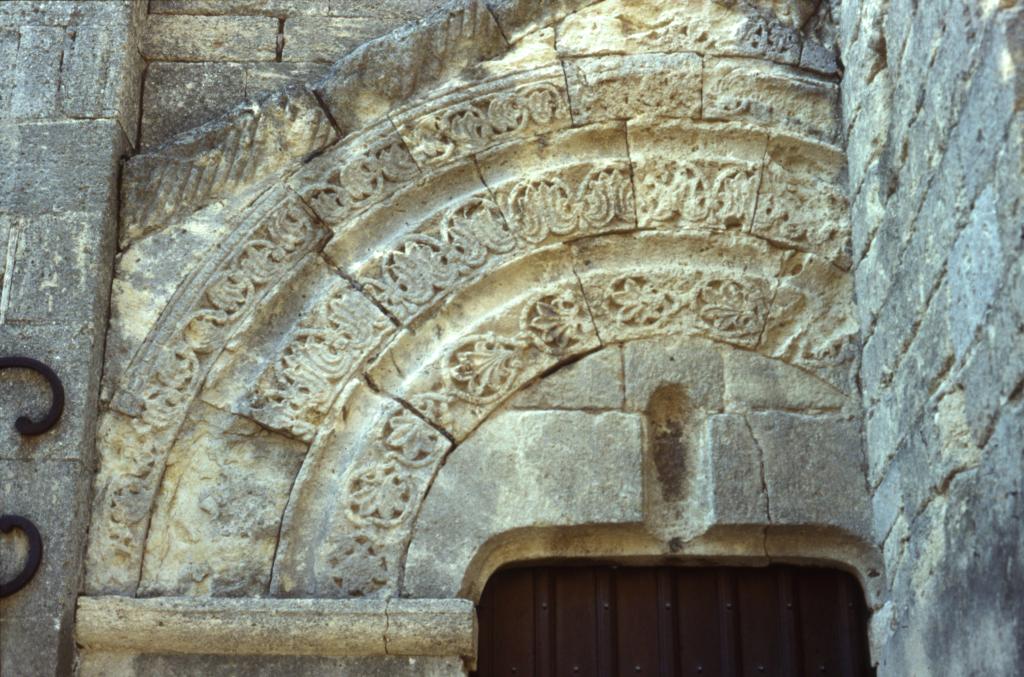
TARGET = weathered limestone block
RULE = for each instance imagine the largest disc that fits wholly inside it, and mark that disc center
(41, 287)
(364, 85)
(69, 351)
(180, 96)
(37, 72)
(812, 321)
(95, 664)
(566, 469)
(216, 521)
(738, 494)
(360, 172)
(697, 176)
(38, 623)
(353, 503)
(801, 204)
(218, 160)
(754, 382)
(274, 8)
(575, 184)
(146, 276)
(630, 86)
(814, 470)
(64, 167)
(686, 284)
(701, 26)
(326, 39)
(488, 341)
(519, 18)
(473, 119)
(595, 382)
(692, 366)
(749, 90)
(425, 242)
(264, 78)
(210, 38)
(675, 384)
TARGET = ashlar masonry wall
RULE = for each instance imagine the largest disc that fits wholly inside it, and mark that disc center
(68, 111)
(932, 99)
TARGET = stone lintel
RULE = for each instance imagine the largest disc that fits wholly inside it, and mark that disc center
(277, 627)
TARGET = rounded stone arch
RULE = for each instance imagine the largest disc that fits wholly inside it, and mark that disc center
(343, 323)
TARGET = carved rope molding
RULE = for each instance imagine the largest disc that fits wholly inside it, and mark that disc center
(366, 170)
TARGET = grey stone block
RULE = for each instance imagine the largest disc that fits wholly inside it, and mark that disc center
(737, 493)
(814, 470)
(37, 72)
(37, 621)
(274, 8)
(263, 78)
(326, 39)
(59, 269)
(210, 38)
(72, 354)
(693, 365)
(180, 96)
(55, 167)
(975, 271)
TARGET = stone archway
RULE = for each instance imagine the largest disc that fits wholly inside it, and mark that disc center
(299, 343)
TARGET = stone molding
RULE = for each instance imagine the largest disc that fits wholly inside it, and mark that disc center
(278, 627)
(333, 334)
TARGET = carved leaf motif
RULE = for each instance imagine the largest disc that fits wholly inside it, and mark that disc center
(636, 301)
(674, 191)
(478, 123)
(733, 196)
(539, 207)
(417, 269)
(733, 309)
(379, 495)
(412, 441)
(355, 565)
(483, 368)
(606, 195)
(555, 323)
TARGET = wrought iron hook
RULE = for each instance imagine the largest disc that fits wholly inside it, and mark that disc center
(35, 552)
(24, 424)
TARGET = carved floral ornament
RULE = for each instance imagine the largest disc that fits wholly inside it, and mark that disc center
(320, 350)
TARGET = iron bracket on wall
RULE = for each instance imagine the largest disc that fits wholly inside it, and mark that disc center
(24, 424)
(35, 552)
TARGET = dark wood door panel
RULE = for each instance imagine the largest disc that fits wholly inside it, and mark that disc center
(606, 621)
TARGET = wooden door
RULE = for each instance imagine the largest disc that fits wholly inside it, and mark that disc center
(599, 621)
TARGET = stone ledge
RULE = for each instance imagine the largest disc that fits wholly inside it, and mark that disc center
(278, 627)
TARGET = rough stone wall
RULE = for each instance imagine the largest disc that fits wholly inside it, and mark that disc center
(932, 99)
(68, 110)
(205, 56)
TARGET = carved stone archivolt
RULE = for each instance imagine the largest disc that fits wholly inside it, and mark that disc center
(297, 382)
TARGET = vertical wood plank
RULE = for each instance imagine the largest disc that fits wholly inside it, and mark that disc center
(667, 632)
(514, 621)
(575, 621)
(544, 626)
(728, 624)
(700, 631)
(637, 621)
(607, 656)
(758, 603)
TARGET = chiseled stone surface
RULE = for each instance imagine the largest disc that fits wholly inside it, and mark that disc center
(931, 103)
(172, 665)
(566, 468)
(305, 333)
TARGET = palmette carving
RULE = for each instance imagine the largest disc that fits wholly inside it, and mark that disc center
(295, 392)
(679, 193)
(486, 120)
(427, 266)
(696, 302)
(379, 167)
